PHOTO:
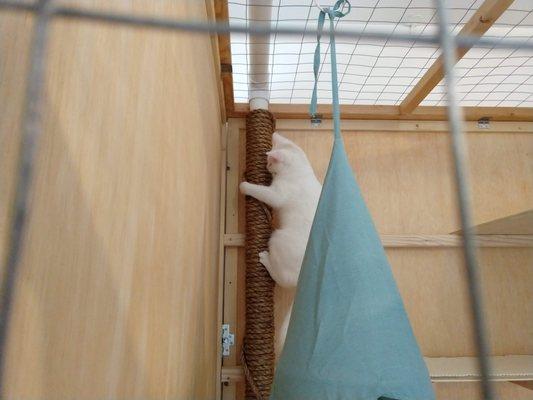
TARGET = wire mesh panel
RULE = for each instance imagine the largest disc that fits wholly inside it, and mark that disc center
(378, 72)
(494, 77)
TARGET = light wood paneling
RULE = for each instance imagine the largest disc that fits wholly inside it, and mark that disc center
(405, 171)
(407, 176)
(437, 302)
(117, 293)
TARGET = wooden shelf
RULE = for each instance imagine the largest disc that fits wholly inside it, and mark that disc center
(412, 241)
(515, 368)
(464, 369)
(516, 224)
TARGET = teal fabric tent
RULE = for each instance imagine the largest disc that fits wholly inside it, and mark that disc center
(349, 337)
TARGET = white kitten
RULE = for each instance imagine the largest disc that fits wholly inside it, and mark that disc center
(293, 195)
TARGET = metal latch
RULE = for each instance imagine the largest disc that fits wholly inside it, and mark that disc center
(316, 120)
(228, 340)
(483, 123)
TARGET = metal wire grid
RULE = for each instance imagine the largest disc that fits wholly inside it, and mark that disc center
(496, 77)
(31, 129)
(378, 72)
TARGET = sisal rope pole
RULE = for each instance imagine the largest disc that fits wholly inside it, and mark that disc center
(258, 348)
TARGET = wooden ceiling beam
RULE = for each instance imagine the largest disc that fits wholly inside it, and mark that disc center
(480, 23)
(377, 112)
(224, 47)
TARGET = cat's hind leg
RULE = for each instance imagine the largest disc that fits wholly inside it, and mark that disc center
(264, 258)
(284, 265)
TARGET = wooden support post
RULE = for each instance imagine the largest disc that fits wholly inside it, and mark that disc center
(231, 255)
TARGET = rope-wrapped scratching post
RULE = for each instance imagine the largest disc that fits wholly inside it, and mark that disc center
(258, 350)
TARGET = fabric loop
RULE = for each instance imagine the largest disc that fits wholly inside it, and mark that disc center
(335, 12)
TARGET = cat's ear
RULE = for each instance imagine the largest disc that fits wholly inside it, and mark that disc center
(278, 140)
(274, 156)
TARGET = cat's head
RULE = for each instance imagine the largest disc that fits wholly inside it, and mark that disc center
(285, 155)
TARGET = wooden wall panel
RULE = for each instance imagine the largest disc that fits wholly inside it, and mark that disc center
(433, 287)
(117, 294)
(407, 176)
(405, 172)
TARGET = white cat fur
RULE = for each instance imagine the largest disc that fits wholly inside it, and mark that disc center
(293, 195)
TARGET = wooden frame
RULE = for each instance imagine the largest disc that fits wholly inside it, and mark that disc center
(465, 369)
(409, 109)
(216, 49)
(413, 241)
(221, 252)
(230, 261)
(516, 369)
(478, 24)
(363, 112)
(224, 48)
(401, 126)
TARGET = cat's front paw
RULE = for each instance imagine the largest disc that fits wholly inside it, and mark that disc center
(245, 187)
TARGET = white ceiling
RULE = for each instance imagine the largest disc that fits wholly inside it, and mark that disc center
(373, 72)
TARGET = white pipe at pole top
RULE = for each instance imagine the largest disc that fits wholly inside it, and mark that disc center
(259, 13)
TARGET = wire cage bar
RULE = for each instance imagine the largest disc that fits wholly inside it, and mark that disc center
(261, 30)
(458, 144)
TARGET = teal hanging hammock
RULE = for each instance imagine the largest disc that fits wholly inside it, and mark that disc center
(349, 337)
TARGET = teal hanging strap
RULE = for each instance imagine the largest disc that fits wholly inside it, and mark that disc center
(335, 12)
